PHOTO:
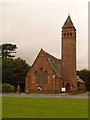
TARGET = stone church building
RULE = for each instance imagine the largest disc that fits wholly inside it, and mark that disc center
(49, 74)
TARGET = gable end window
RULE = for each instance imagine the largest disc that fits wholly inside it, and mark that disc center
(36, 77)
(41, 75)
(45, 77)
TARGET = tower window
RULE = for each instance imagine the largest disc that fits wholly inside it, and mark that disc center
(64, 34)
(67, 34)
(70, 34)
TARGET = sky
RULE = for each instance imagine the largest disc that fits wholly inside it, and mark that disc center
(35, 25)
(88, 35)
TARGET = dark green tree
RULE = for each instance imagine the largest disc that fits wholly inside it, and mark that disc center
(77, 72)
(14, 71)
(0, 51)
(85, 76)
(0, 65)
(8, 50)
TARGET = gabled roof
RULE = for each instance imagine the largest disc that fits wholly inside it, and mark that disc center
(55, 64)
(80, 80)
(68, 22)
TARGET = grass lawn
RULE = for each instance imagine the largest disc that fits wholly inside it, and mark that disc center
(0, 108)
(44, 108)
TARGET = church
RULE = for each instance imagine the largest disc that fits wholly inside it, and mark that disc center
(49, 74)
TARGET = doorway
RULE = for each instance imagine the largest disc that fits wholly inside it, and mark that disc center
(67, 87)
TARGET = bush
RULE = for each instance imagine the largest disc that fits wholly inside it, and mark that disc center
(76, 92)
(7, 88)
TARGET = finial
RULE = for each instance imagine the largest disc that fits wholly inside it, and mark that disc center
(69, 13)
(41, 49)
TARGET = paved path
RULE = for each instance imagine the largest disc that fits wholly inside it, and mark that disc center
(81, 96)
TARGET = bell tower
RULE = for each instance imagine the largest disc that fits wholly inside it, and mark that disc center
(69, 55)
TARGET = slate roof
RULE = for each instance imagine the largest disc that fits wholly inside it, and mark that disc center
(80, 80)
(55, 63)
(68, 22)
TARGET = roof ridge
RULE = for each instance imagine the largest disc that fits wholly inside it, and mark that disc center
(55, 63)
(51, 55)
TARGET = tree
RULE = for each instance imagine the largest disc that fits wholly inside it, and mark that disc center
(0, 70)
(0, 51)
(0, 66)
(77, 72)
(8, 50)
(14, 71)
(85, 76)
(7, 88)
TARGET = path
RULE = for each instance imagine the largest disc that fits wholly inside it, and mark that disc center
(81, 96)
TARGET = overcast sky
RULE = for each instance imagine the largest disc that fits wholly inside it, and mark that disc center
(35, 25)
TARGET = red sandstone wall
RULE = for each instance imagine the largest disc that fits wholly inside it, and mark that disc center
(82, 86)
(69, 57)
(53, 83)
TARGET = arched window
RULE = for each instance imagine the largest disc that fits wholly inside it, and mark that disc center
(70, 34)
(67, 34)
(36, 77)
(41, 75)
(45, 77)
(64, 34)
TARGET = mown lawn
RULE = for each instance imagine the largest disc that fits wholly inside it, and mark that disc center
(44, 108)
(0, 108)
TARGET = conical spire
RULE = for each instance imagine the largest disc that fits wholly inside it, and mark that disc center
(68, 22)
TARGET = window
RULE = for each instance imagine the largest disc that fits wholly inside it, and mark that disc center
(64, 34)
(41, 75)
(78, 84)
(45, 77)
(67, 34)
(70, 34)
(36, 77)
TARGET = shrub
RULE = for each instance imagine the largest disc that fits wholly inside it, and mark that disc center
(7, 88)
(76, 92)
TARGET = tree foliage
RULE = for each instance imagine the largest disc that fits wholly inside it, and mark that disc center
(8, 50)
(0, 73)
(77, 72)
(7, 88)
(85, 76)
(0, 51)
(14, 71)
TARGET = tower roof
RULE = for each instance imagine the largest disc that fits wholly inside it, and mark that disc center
(68, 22)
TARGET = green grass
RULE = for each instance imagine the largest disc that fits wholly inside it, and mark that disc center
(44, 108)
(0, 107)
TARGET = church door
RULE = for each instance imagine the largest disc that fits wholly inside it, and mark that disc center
(67, 87)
